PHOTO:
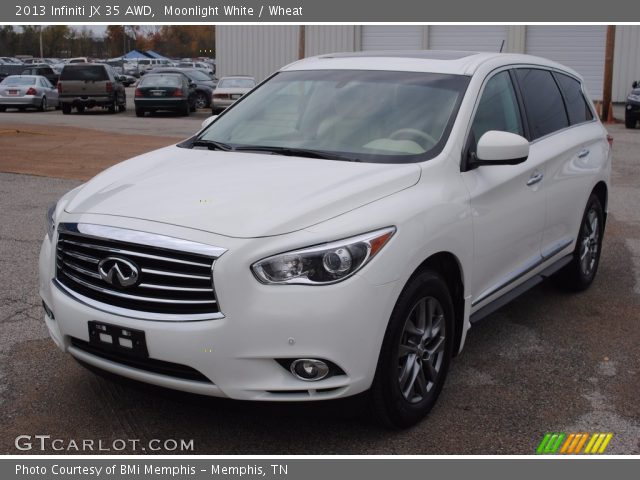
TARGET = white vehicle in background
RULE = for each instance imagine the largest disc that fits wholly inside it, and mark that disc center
(336, 231)
(229, 90)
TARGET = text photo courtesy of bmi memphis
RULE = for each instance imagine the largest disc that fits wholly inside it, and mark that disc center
(278, 240)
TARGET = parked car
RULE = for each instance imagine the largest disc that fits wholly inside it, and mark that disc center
(27, 91)
(88, 85)
(204, 83)
(78, 60)
(632, 106)
(11, 61)
(207, 68)
(165, 91)
(147, 64)
(44, 70)
(336, 231)
(230, 89)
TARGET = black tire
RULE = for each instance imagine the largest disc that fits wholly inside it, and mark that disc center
(579, 274)
(186, 110)
(389, 405)
(123, 107)
(43, 104)
(201, 100)
(139, 112)
(80, 108)
(630, 121)
(113, 106)
(3, 109)
(66, 109)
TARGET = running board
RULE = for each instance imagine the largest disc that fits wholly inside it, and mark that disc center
(520, 289)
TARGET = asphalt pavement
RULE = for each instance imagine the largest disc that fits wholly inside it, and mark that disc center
(548, 362)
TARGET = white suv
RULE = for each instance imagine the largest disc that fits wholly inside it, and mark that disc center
(336, 231)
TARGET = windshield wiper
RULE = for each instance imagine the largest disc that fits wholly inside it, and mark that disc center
(212, 145)
(295, 152)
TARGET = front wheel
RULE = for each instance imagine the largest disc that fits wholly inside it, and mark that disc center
(579, 274)
(201, 100)
(43, 104)
(416, 352)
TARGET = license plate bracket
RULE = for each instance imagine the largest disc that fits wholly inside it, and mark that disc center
(113, 338)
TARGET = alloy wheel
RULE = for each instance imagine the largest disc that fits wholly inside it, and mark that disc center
(421, 350)
(589, 243)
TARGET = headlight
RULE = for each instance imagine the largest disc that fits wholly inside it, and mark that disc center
(50, 220)
(634, 97)
(322, 264)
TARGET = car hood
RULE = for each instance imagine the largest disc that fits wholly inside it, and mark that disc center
(237, 194)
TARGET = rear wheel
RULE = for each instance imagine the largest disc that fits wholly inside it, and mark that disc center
(416, 352)
(113, 107)
(579, 274)
(630, 121)
(66, 108)
(43, 104)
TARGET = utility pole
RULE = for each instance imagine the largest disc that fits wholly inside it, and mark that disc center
(41, 55)
(608, 73)
(301, 42)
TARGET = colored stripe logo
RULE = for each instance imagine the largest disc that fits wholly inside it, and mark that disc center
(574, 443)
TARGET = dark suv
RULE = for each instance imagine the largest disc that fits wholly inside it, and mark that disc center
(87, 85)
(43, 70)
(632, 107)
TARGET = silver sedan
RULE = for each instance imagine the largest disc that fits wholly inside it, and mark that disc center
(27, 91)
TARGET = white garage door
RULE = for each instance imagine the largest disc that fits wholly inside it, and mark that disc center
(579, 47)
(467, 37)
(392, 37)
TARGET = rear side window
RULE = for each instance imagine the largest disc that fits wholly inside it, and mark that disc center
(542, 102)
(498, 108)
(85, 72)
(577, 106)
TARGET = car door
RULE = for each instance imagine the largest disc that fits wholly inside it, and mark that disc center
(51, 92)
(582, 152)
(507, 201)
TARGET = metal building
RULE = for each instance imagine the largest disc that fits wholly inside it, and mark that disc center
(260, 50)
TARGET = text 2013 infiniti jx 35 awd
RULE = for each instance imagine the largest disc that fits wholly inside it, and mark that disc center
(336, 231)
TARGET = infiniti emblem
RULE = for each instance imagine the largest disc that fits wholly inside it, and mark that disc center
(118, 272)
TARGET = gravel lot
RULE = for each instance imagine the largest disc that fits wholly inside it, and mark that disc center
(550, 361)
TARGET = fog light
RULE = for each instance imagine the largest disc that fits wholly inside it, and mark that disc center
(48, 311)
(309, 369)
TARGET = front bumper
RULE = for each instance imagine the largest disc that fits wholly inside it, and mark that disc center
(343, 323)
(632, 108)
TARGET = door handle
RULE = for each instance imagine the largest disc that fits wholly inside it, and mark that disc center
(583, 153)
(536, 177)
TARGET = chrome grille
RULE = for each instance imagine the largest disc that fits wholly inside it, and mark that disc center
(171, 285)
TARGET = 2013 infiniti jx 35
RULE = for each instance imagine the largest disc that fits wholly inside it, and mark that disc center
(336, 231)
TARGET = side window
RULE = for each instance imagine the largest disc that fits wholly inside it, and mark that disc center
(542, 102)
(577, 106)
(498, 108)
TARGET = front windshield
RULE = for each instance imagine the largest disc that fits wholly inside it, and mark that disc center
(369, 116)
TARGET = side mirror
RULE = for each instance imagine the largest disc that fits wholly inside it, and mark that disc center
(635, 84)
(501, 148)
(208, 121)
(192, 85)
